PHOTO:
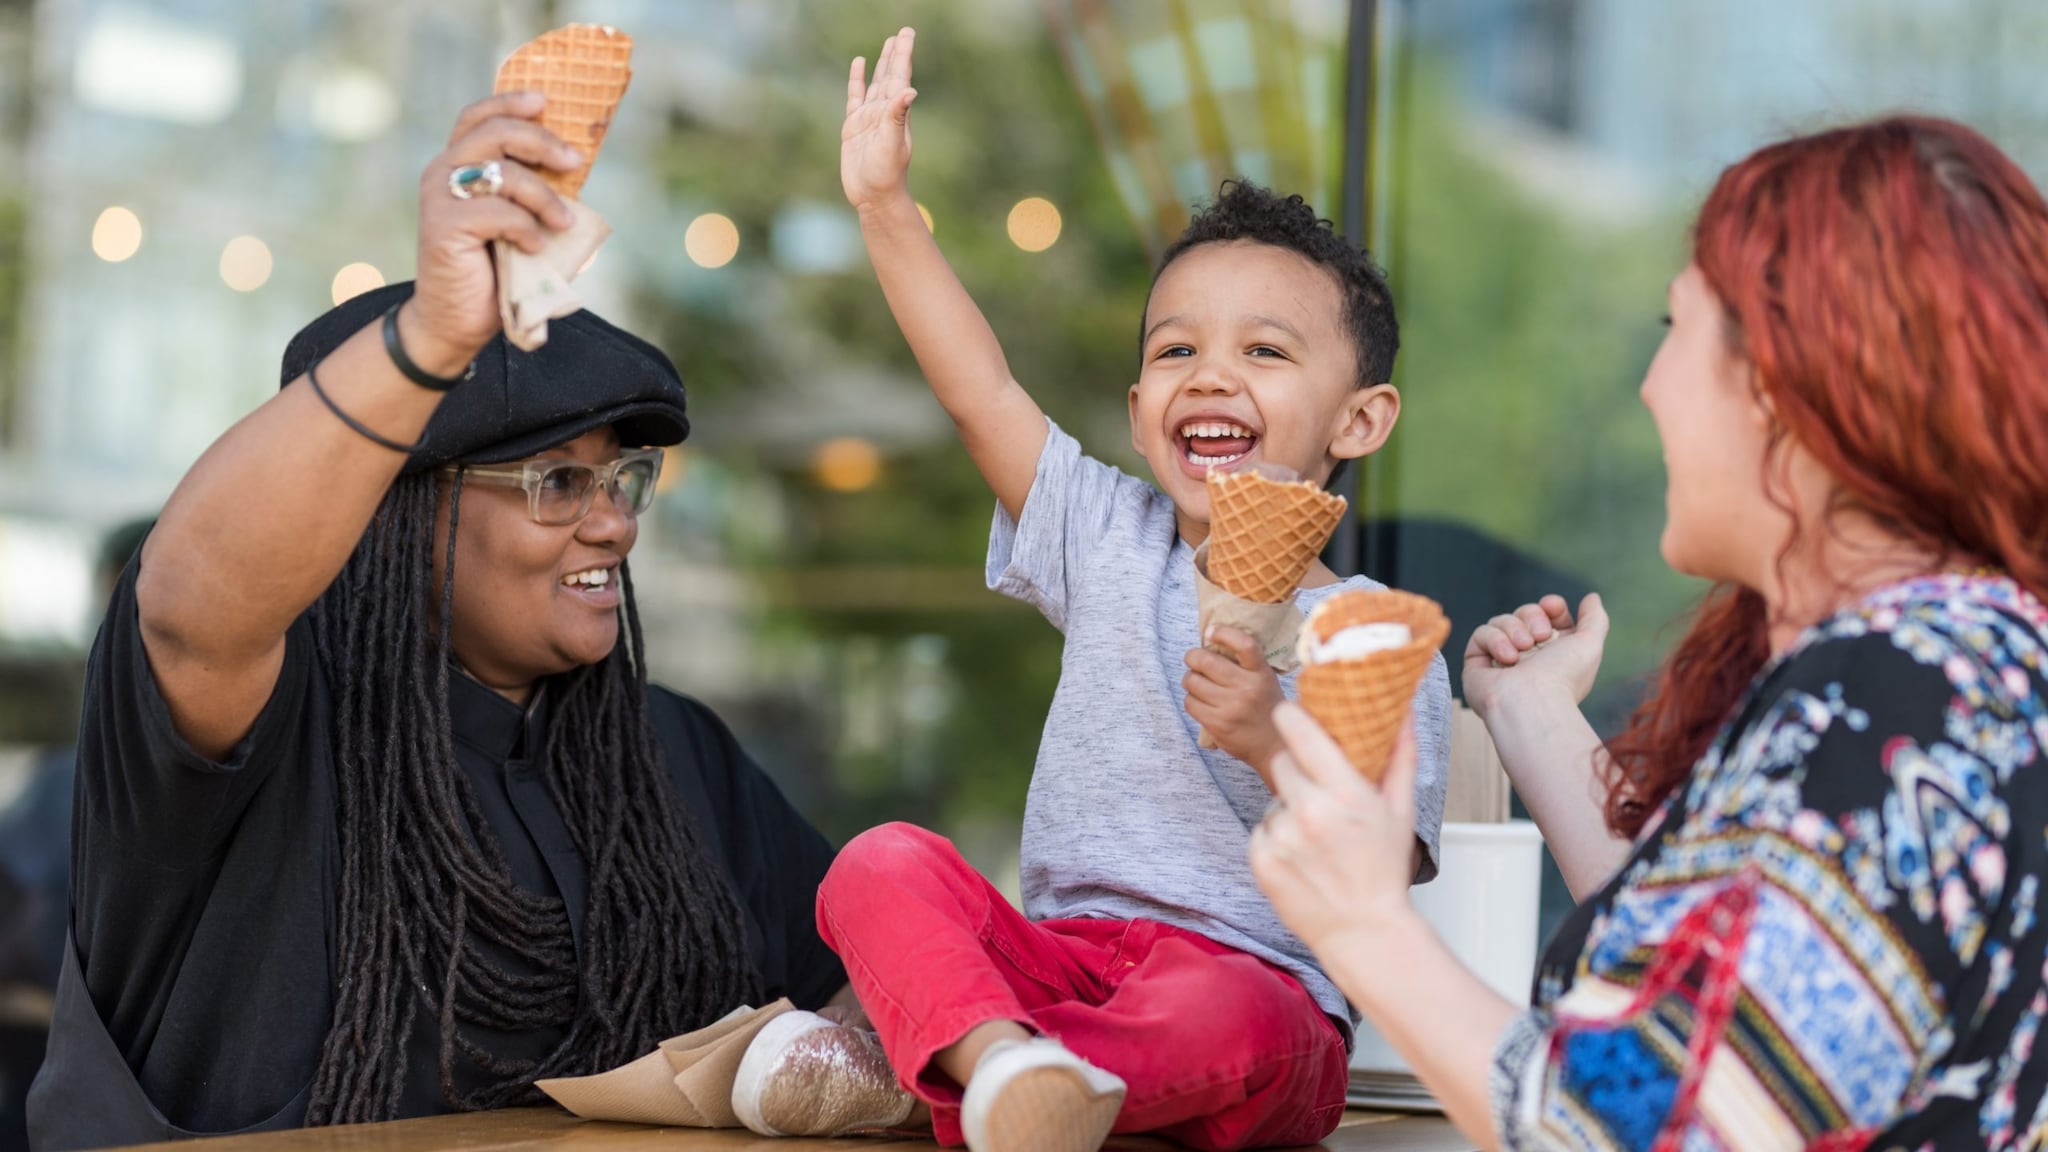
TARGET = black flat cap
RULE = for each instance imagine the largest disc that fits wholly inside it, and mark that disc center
(589, 374)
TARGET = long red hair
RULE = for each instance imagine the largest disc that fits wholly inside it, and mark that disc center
(1889, 283)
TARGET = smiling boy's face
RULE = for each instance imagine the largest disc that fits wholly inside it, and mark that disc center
(1247, 360)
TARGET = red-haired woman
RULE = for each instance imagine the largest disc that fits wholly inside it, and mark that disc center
(1810, 871)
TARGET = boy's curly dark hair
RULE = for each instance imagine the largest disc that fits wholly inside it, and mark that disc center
(1245, 211)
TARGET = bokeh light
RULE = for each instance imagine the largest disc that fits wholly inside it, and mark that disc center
(712, 240)
(675, 461)
(245, 263)
(355, 279)
(1034, 224)
(846, 464)
(116, 235)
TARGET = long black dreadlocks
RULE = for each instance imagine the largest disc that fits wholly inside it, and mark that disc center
(426, 895)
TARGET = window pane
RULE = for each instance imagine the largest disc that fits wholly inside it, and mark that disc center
(1538, 168)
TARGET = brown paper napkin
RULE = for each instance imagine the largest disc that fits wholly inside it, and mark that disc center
(534, 288)
(686, 1082)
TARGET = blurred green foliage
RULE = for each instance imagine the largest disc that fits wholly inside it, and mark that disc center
(1526, 327)
(996, 121)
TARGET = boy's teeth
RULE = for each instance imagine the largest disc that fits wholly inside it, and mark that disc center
(1211, 431)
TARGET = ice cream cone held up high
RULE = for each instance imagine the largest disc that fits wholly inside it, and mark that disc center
(583, 70)
(1363, 655)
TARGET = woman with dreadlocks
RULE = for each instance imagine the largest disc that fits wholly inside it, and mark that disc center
(378, 815)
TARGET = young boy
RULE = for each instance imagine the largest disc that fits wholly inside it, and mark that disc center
(1152, 988)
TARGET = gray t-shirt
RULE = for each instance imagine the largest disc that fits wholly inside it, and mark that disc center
(1127, 817)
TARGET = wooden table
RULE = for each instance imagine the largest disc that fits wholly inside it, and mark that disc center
(538, 1129)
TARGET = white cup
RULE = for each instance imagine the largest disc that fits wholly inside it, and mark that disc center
(1484, 904)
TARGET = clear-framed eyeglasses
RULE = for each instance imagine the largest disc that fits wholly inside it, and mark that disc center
(560, 492)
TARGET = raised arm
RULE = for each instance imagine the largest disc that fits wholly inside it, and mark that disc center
(1003, 428)
(1525, 674)
(268, 516)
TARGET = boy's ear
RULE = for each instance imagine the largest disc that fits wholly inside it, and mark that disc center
(1365, 421)
(1136, 445)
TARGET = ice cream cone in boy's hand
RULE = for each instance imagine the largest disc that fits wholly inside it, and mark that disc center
(1265, 529)
(1363, 655)
(583, 70)
(1264, 533)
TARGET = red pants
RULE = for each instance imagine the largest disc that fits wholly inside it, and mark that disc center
(1220, 1050)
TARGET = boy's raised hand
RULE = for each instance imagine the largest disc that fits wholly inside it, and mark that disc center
(874, 144)
(1002, 428)
(1232, 697)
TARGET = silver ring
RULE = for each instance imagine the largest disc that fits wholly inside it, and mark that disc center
(473, 180)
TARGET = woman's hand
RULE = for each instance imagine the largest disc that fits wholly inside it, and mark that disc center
(1335, 852)
(1537, 649)
(1525, 674)
(874, 143)
(454, 308)
(1232, 697)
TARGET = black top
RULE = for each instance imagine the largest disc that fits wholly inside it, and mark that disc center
(205, 892)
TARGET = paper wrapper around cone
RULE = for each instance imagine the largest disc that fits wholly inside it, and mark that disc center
(583, 70)
(534, 288)
(1362, 703)
(686, 1082)
(1264, 533)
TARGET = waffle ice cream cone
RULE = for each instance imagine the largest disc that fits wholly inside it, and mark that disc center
(583, 70)
(1264, 533)
(1362, 700)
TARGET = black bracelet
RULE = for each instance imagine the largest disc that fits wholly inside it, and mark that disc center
(361, 430)
(414, 372)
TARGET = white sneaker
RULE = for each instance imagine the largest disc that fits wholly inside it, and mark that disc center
(806, 1076)
(1035, 1096)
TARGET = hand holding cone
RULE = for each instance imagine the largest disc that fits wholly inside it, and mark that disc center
(1362, 700)
(1264, 533)
(583, 70)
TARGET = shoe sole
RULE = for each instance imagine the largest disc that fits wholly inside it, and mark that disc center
(1049, 1109)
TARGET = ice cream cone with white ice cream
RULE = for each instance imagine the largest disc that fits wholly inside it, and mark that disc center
(1363, 655)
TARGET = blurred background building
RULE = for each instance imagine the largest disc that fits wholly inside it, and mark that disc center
(183, 183)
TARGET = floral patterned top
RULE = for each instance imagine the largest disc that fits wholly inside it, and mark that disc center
(1828, 936)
